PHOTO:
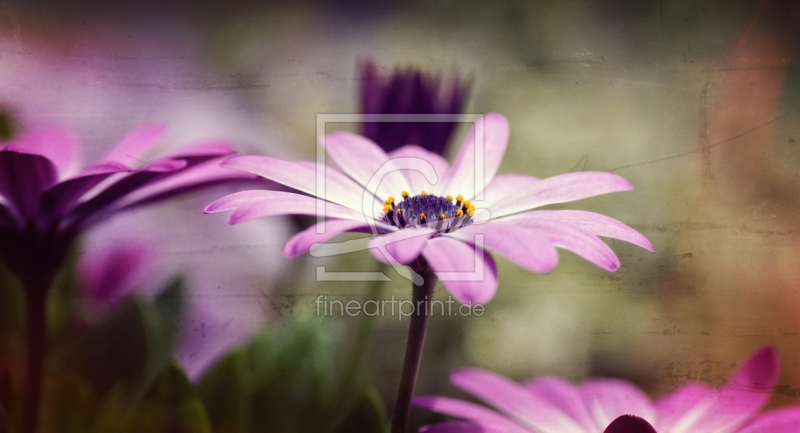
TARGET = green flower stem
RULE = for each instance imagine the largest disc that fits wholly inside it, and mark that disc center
(36, 309)
(422, 297)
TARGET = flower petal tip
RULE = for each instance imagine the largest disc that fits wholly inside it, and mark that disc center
(466, 374)
(767, 358)
(217, 206)
(232, 161)
(496, 119)
(290, 250)
(211, 208)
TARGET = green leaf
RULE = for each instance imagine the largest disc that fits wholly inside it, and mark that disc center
(162, 324)
(169, 405)
(129, 348)
(227, 393)
(290, 379)
(367, 415)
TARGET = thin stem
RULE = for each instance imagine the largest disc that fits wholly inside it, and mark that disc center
(422, 299)
(37, 325)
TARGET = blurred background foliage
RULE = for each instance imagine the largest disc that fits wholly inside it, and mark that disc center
(694, 102)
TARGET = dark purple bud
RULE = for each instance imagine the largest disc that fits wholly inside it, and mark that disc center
(629, 424)
(410, 91)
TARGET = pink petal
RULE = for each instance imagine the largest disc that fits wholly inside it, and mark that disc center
(506, 188)
(404, 246)
(164, 165)
(232, 201)
(103, 168)
(785, 420)
(362, 159)
(560, 189)
(23, 179)
(416, 180)
(563, 395)
(574, 239)
(744, 394)
(61, 197)
(202, 148)
(203, 175)
(595, 223)
(531, 249)
(492, 133)
(681, 410)
(608, 399)
(131, 150)
(302, 177)
(248, 205)
(468, 411)
(59, 146)
(300, 243)
(469, 273)
(755, 380)
(514, 400)
(107, 201)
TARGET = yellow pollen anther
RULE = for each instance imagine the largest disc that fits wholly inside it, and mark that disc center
(422, 217)
(405, 194)
(399, 212)
(423, 192)
(467, 203)
(459, 212)
(387, 208)
(449, 197)
(459, 198)
(390, 199)
(442, 216)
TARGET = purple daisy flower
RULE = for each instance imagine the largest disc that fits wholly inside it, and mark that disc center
(410, 92)
(552, 405)
(623, 424)
(438, 222)
(47, 198)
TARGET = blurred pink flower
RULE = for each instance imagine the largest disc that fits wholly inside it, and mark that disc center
(108, 275)
(443, 230)
(115, 265)
(623, 424)
(552, 405)
(50, 197)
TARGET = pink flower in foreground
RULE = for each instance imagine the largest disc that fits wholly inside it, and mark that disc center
(552, 405)
(47, 197)
(438, 221)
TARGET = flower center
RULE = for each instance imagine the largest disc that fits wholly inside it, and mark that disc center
(440, 213)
